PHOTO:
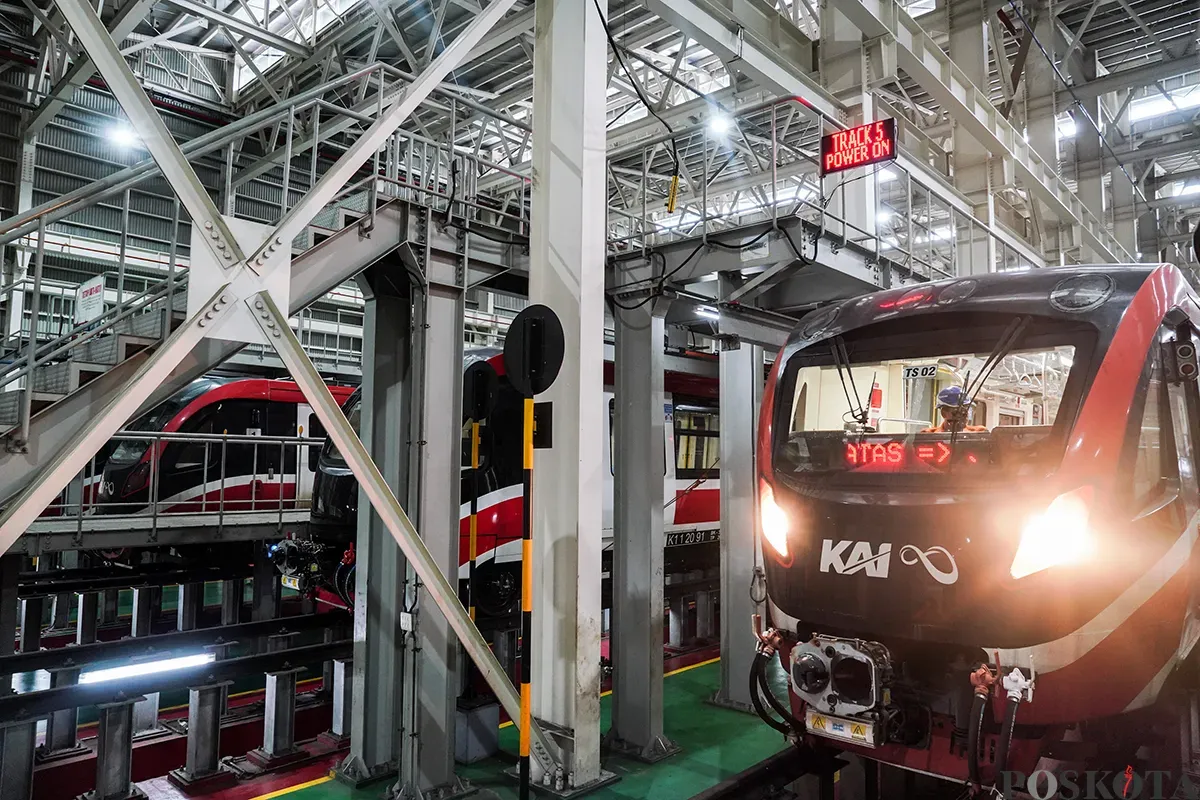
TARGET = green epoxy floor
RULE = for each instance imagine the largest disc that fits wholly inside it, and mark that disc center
(717, 744)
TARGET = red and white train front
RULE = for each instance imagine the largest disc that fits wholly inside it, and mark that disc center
(996, 569)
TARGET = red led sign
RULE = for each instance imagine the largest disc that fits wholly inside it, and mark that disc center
(897, 456)
(868, 144)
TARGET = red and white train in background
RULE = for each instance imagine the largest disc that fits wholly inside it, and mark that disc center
(211, 475)
(691, 490)
(980, 604)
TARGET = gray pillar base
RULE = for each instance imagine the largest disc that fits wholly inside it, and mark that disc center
(268, 762)
(461, 787)
(566, 792)
(134, 793)
(354, 773)
(201, 784)
(658, 750)
(734, 705)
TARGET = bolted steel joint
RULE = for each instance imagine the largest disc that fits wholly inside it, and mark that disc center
(258, 304)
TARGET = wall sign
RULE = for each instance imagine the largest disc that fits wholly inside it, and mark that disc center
(89, 300)
(868, 144)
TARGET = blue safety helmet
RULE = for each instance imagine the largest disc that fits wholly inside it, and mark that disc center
(952, 396)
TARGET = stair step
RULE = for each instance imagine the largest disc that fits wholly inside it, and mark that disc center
(10, 406)
(67, 376)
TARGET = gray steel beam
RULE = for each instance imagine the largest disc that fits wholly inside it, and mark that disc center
(327, 187)
(383, 500)
(762, 47)
(439, 321)
(241, 26)
(638, 539)
(114, 751)
(375, 717)
(17, 743)
(120, 407)
(741, 394)
(1134, 78)
(180, 174)
(127, 18)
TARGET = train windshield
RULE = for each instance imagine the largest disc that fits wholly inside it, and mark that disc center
(989, 396)
(156, 419)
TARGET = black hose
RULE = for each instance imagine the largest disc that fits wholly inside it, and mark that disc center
(974, 729)
(756, 699)
(1006, 735)
(759, 670)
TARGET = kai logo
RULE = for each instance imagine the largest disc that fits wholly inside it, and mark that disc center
(848, 558)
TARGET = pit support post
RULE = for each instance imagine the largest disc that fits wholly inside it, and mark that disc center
(742, 379)
(202, 770)
(114, 753)
(640, 494)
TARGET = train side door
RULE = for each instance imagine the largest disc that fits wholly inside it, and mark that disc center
(276, 477)
(310, 428)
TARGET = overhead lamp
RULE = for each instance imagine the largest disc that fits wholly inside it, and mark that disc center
(147, 668)
(708, 312)
(122, 136)
(884, 217)
(719, 124)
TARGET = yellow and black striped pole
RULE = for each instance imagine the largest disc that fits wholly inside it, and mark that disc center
(474, 545)
(526, 594)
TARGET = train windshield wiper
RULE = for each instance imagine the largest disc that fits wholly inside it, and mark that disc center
(841, 359)
(1004, 345)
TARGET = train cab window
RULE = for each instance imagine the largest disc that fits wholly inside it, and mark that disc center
(354, 416)
(697, 442)
(1154, 472)
(236, 418)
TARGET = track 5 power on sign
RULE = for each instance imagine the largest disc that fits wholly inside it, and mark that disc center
(873, 143)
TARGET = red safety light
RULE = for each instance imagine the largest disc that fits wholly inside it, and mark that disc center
(862, 146)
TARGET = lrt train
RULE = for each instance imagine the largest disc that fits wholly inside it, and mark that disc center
(198, 476)
(691, 490)
(1006, 582)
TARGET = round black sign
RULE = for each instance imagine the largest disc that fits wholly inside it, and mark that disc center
(1081, 292)
(533, 350)
(480, 383)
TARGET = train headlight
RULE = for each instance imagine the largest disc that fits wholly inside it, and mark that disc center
(775, 522)
(1058, 536)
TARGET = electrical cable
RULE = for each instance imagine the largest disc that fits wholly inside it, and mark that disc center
(978, 707)
(616, 48)
(756, 700)
(1006, 735)
(759, 669)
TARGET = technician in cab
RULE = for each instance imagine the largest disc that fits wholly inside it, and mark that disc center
(955, 409)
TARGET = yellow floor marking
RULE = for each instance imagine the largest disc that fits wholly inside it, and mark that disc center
(665, 675)
(296, 788)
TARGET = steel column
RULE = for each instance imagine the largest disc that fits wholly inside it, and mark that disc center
(10, 570)
(187, 608)
(383, 500)
(705, 616)
(203, 735)
(435, 484)
(376, 715)
(114, 753)
(145, 712)
(638, 539)
(111, 607)
(87, 619)
(62, 727)
(741, 392)
(567, 241)
(343, 697)
(16, 760)
(233, 593)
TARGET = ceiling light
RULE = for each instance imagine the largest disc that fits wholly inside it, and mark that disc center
(719, 124)
(710, 313)
(884, 217)
(122, 136)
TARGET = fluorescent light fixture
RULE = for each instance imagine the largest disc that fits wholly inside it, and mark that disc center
(884, 217)
(122, 136)
(719, 124)
(147, 668)
(706, 311)
(886, 175)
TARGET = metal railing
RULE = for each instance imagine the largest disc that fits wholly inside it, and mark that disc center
(410, 167)
(765, 169)
(151, 477)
